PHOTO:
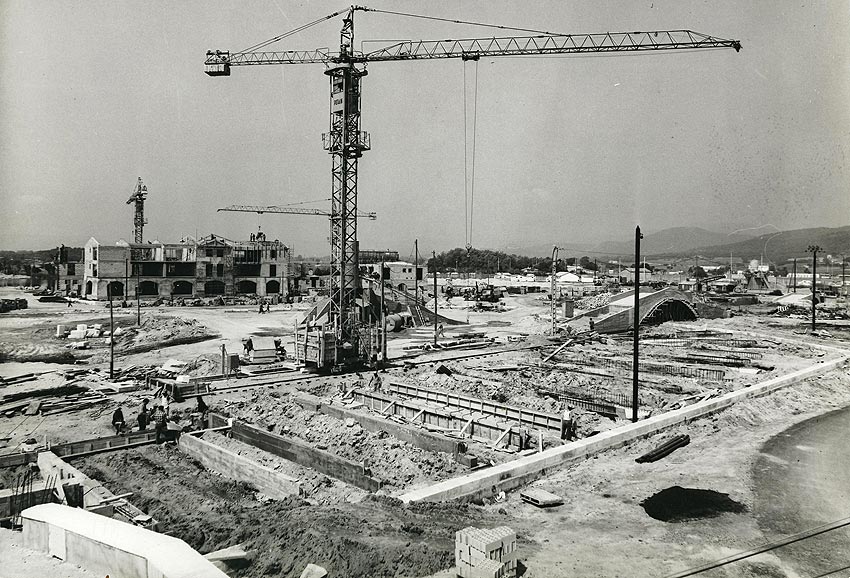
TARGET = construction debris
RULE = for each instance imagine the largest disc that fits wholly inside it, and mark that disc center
(664, 449)
(540, 498)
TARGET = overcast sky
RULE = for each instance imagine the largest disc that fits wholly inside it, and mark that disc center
(94, 94)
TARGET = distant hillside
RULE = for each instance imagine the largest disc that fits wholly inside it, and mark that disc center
(676, 240)
(41, 256)
(673, 240)
(777, 247)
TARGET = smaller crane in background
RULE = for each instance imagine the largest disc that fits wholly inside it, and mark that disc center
(138, 197)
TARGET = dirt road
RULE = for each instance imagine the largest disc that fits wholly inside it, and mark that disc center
(801, 481)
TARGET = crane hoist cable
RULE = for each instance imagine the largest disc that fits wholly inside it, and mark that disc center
(462, 22)
(291, 32)
(469, 166)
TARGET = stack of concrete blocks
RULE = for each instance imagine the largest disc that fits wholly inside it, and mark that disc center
(483, 553)
(82, 331)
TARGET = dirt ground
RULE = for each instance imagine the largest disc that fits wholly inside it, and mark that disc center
(601, 530)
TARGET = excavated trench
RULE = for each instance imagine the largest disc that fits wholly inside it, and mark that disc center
(678, 504)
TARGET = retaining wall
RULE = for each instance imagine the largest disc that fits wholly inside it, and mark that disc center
(232, 465)
(301, 453)
(108, 547)
(523, 470)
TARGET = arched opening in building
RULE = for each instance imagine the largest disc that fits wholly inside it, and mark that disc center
(672, 310)
(402, 287)
(272, 287)
(116, 288)
(246, 287)
(182, 288)
(214, 288)
(88, 287)
(148, 288)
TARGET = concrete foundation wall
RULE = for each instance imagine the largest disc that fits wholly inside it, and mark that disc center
(109, 547)
(240, 468)
(305, 455)
(410, 434)
(521, 471)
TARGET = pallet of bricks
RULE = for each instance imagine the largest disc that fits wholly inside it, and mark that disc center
(483, 553)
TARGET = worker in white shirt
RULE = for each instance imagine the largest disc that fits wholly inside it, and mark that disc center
(567, 423)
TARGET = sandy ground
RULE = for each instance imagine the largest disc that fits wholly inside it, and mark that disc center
(601, 530)
(16, 561)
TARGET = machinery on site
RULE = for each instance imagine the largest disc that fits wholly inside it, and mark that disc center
(140, 193)
(339, 331)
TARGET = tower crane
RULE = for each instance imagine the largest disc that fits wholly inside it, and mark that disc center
(346, 142)
(288, 210)
(140, 193)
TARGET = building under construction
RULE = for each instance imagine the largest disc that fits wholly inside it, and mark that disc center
(206, 267)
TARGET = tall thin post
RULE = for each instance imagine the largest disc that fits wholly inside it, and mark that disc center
(138, 294)
(126, 280)
(814, 285)
(111, 333)
(636, 324)
(553, 286)
(795, 275)
(383, 320)
(814, 249)
(434, 261)
(416, 270)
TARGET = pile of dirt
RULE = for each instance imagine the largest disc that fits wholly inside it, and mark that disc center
(398, 464)
(376, 537)
(34, 351)
(161, 331)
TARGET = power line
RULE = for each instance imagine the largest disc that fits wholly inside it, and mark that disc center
(831, 572)
(765, 548)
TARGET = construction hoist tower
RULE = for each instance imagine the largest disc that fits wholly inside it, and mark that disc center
(138, 197)
(331, 335)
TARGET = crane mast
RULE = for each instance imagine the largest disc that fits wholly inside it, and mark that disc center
(346, 142)
(138, 197)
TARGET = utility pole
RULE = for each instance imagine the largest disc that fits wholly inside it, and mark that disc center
(553, 287)
(111, 333)
(795, 275)
(636, 324)
(416, 270)
(434, 261)
(814, 250)
(383, 320)
(138, 294)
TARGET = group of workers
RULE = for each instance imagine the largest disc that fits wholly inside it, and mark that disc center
(157, 415)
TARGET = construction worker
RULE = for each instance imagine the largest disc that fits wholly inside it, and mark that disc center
(144, 417)
(203, 410)
(567, 423)
(375, 383)
(118, 421)
(159, 418)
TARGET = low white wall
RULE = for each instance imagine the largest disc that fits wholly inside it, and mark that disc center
(109, 547)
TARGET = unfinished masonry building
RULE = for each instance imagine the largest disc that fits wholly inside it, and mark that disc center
(206, 267)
